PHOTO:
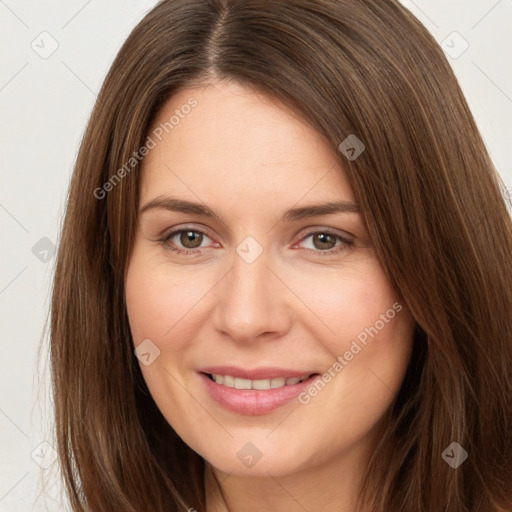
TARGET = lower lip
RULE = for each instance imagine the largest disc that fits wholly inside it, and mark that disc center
(254, 401)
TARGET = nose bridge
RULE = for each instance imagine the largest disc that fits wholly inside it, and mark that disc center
(251, 302)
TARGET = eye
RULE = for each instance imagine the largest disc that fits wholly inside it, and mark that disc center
(184, 241)
(326, 242)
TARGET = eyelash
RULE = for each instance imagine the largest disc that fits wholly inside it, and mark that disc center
(345, 242)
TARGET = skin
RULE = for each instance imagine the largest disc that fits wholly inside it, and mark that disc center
(249, 159)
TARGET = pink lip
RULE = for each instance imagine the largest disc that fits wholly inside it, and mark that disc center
(254, 402)
(256, 373)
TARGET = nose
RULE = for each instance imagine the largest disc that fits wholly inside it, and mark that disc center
(252, 302)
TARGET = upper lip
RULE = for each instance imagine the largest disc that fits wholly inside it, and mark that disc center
(255, 373)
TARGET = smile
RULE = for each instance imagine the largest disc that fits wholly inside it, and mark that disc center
(255, 392)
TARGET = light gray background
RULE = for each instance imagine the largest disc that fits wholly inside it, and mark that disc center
(45, 101)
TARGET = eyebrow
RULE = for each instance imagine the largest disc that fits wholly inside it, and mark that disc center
(293, 214)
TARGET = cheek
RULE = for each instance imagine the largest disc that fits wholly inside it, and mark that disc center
(348, 303)
(367, 333)
(369, 343)
(160, 302)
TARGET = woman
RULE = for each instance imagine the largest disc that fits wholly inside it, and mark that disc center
(284, 279)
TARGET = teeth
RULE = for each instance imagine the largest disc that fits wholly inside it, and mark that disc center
(261, 384)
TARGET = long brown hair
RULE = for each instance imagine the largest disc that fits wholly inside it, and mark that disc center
(430, 198)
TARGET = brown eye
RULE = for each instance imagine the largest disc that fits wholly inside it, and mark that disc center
(324, 241)
(185, 241)
(191, 239)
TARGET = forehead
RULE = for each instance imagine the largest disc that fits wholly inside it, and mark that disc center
(226, 139)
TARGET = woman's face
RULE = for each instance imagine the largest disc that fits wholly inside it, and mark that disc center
(239, 270)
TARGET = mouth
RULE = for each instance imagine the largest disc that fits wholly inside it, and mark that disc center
(256, 396)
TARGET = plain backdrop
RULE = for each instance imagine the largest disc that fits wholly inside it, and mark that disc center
(54, 57)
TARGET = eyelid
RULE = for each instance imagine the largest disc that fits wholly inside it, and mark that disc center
(189, 227)
(311, 230)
